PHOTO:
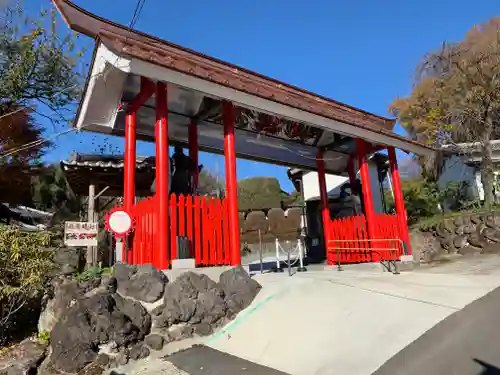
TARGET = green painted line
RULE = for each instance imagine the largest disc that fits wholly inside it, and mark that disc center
(235, 323)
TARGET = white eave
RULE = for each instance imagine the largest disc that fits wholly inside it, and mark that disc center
(100, 105)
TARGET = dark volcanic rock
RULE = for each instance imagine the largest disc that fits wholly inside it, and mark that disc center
(139, 351)
(92, 369)
(65, 292)
(91, 321)
(203, 329)
(475, 219)
(180, 298)
(460, 241)
(138, 315)
(210, 306)
(103, 360)
(144, 283)
(491, 248)
(23, 359)
(68, 259)
(477, 240)
(491, 234)
(469, 250)
(154, 341)
(239, 289)
(470, 228)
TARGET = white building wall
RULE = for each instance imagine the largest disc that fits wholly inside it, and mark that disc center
(455, 169)
(311, 185)
(334, 182)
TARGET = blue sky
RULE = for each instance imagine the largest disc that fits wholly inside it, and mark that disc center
(359, 52)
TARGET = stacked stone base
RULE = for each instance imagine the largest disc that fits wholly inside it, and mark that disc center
(115, 319)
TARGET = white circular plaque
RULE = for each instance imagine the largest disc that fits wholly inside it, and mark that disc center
(120, 222)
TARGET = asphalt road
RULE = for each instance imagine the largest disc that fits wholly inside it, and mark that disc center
(202, 360)
(465, 343)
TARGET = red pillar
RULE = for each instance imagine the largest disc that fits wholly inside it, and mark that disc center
(162, 172)
(323, 194)
(129, 174)
(351, 172)
(147, 89)
(367, 192)
(130, 159)
(193, 150)
(399, 201)
(231, 183)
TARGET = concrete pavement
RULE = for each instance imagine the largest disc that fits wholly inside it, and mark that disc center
(351, 322)
(465, 343)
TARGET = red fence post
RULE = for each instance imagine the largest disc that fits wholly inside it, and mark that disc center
(173, 227)
(189, 224)
(181, 222)
(204, 230)
(219, 232)
(226, 230)
(197, 230)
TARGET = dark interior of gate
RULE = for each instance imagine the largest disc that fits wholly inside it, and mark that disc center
(236, 123)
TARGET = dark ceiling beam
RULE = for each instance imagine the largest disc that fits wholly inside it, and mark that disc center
(318, 137)
(212, 108)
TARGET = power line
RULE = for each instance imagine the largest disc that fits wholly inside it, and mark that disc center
(36, 143)
(137, 11)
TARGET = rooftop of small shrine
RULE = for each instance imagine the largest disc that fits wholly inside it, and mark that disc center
(275, 122)
(107, 171)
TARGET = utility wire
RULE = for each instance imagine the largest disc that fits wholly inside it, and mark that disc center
(137, 11)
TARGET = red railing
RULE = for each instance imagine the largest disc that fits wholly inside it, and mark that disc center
(349, 241)
(203, 220)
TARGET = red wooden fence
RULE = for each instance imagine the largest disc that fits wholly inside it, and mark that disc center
(203, 220)
(349, 243)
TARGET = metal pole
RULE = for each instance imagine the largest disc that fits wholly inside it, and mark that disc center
(339, 267)
(301, 257)
(289, 263)
(260, 253)
(90, 259)
(231, 182)
(278, 263)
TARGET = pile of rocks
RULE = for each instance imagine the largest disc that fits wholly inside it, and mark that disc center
(107, 322)
(462, 235)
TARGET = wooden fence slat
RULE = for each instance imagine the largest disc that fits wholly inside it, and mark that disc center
(205, 230)
(189, 224)
(173, 227)
(227, 233)
(181, 222)
(197, 230)
(218, 231)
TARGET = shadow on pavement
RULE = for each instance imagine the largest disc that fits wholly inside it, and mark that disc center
(487, 368)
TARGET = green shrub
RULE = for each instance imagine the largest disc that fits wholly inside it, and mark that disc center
(26, 263)
(93, 273)
(44, 335)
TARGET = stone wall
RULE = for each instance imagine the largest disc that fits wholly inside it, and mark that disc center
(467, 234)
(113, 319)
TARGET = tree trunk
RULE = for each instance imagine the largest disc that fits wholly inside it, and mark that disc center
(486, 162)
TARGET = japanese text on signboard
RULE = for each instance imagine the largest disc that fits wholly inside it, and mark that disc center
(80, 233)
